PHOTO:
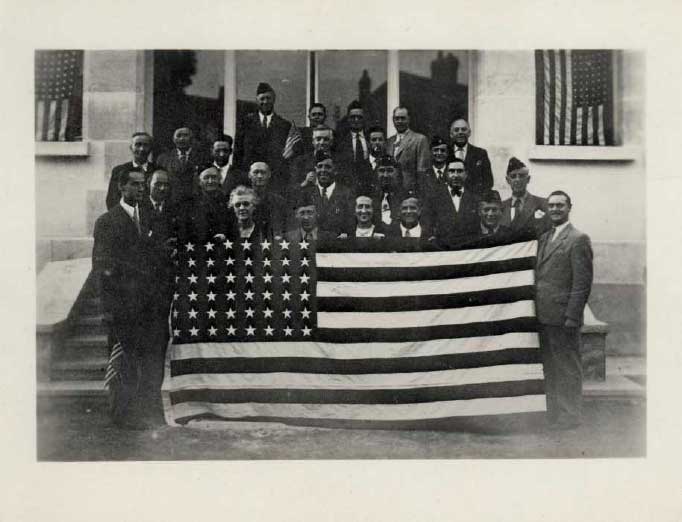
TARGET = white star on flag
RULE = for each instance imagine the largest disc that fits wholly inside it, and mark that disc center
(266, 261)
(176, 333)
(304, 262)
(269, 330)
(250, 330)
(228, 243)
(249, 312)
(211, 313)
(286, 295)
(229, 261)
(265, 245)
(267, 313)
(287, 313)
(212, 330)
(230, 295)
(267, 278)
(210, 262)
(231, 330)
(208, 246)
(284, 245)
(175, 296)
(248, 295)
(306, 331)
(230, 313)
(177, 278)
(303, 244)
(194, 331)
(192, 313)
(191, 262)
(285, 278)
(285, 261)
(189, 247)
(192, 279)
(248, 262)
(246, 245)
(175, 313)
(230, 277)
(211, 296)
(210, 278)
(305, 313)
(305, 278)
(249, 278)
(304, 296)
(267, 294)
(287, 331)
(192, 296)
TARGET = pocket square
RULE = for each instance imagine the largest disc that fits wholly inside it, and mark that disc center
(479, 163)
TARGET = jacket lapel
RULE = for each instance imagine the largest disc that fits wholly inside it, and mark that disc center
(551, 246)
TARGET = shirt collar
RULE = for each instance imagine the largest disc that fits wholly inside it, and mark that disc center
(313, 233)
(138, 165)
(186, 153)
(261, 116)
(364, 232)
(466, 146)
(486, 230)
(522, 199)
(130, 210)
(415, 231)
(558, 229)
(330, 189)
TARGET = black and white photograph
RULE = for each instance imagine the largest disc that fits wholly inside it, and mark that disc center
(385, 275)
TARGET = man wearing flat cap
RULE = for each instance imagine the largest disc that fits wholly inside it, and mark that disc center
(490, 213)
(261, 136)
(523, 211)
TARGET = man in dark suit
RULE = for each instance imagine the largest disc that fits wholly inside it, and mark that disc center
(317, 115)
(183, 164)
(563, 284)
(271, 213)
(261, 136)
(141, 145)
(230, 176)
(490, 213)
(410, 149)
(123, 257)
(480, 174)
(523, 211)
(305, 228)
(302, 168)
(453, 208)
(333, 201)
(388, 193)
(353, 149)
(207, 213)
(377, 146)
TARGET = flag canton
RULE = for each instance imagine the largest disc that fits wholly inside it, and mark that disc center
(56, 73)
(241, 291)
(591, 70)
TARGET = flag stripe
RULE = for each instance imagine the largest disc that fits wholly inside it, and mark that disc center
(354, 366)
(51, 120)
(429, 260)
(371, 412)
(357, 351)
(563, 79)
(558, 101)
(425, 287)
(579, 134)
(590, 125)
(40, 116)
(600, 130)
(547, 100)
(539, 97)
(424, 302)
(425, 333)
(63, 119)
(569, 99)
(417, 318)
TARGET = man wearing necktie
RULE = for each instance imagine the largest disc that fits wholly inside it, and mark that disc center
(410, 149)
(523, 211)
(439, 157)
(480, 175)
(490, 212)
(123, 257)
(563, 275)
(182, 164)
(453, 207)
(141, 145)
(389, 193)
(352, 151)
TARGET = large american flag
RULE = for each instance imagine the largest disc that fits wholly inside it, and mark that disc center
(57, 74)
(574, 97)
(275, 331)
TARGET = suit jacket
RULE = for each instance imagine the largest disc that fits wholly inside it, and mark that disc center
(449, 222)
(525, 221)
(204, 217)
(254, 143)
(395, 197)
(338, 214)
(479, 172)
(295, 235)
(113, 192)
(301, 165)
(272, 214)
(121, 259)
(563, 276)
(183, 177)
(414, 156)
(501, 232)
(358, 175)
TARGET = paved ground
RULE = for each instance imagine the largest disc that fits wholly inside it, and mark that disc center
(77, 429)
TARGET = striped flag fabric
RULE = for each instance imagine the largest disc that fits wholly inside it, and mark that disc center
(57, 77)
(574, 97)
(293, 138)
(352, 332)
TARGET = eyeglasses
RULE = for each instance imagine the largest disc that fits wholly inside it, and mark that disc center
(245, 204)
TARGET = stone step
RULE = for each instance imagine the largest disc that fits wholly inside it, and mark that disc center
(72, 388)
(83, 346)
(86, 369)
(85, 325)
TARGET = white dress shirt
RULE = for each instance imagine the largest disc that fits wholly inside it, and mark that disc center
(363, 141)
(261, 116)
(456, 200)
(461, 154)
(364, 232)
(415, 231)
(557, 230)
(130, 210)
(330, 189)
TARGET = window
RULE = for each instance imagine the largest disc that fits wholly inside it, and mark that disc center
(574, 98)
(59, 95)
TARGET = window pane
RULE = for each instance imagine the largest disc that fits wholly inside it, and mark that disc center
(345, 76)
(188, 91)
(434, 86)
(59, 95)
(285, 71)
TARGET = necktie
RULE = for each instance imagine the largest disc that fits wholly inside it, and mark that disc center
(307, 237)
(359, 152)
(265, 121)
(396, 150)
(385, 210)
(440, 174)
(325, 198)
(136, 219)
(183, 159)
(516, 208)
(456, 191)
(459, 153)
(407, 233)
